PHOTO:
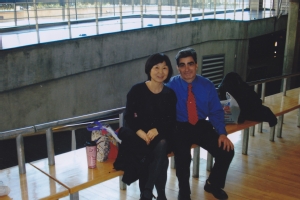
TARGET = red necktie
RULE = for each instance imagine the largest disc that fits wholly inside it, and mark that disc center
(191, 106)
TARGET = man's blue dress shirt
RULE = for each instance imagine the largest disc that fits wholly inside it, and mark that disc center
(207, 101)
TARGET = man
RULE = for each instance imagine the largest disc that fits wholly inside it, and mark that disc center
(197, 99)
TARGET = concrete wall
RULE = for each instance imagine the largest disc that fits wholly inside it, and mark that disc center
(63, 79)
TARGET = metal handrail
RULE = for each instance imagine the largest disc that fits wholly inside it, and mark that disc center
(77, 122)
(273, 79)
(37, 129)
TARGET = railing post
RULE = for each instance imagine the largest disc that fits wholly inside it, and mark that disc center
(176, 10)
(121, 19)
(96, 16)
(243, 4)
(225, 3)
(69, 19)
(76, 10)
(132, 6)
(21, 154)
(100, 8)
(50, 146)
(121, 124)
(159, 11)
(73, 142)
(263, 91)
(203, 7)
(215, 8)
(252, 128)
(36, 22)
(142, 20)
(15, 14)
(191, 9)
(284, 86)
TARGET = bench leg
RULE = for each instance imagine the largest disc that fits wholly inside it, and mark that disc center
(196, 162)
(260, 126)
(245, 141)
(252, 130)
(272, 133)
(122, 184)
(74, 196)
(279, 126)
(173, 162)
(209, 162)
(298, 123)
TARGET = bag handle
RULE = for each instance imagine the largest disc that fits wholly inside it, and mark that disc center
(98, 126)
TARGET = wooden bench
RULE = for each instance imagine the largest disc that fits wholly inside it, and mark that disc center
(71, 171)
(30, 186)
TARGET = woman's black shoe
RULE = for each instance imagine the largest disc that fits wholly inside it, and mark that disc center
(217, 192)
(147, 195)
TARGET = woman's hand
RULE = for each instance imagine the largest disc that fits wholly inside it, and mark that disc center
(144, 136)
(152, 133)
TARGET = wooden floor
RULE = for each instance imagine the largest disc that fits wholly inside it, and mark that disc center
(271, 170)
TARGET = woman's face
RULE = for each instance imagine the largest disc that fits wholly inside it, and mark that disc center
(159, 72)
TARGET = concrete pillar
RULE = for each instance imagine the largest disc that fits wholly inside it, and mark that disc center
(290, 44)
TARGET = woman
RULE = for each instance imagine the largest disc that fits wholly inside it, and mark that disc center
(151, 114)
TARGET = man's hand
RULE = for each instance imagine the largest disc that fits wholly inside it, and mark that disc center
(152, 133)
(227, 144)
(144, 136)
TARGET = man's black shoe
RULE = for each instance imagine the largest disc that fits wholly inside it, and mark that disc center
(217, 192)
(183, 197)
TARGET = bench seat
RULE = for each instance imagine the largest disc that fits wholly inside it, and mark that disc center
(71, 171)
(30, 186)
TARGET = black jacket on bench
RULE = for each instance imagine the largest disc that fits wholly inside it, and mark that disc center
(132, 155)
(249, 102)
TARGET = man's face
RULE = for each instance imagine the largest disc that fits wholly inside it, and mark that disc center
(187, 68)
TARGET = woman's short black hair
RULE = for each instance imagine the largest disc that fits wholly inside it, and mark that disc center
(156, 59)
(186, 53)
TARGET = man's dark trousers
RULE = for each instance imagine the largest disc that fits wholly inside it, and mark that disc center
(205, 136)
